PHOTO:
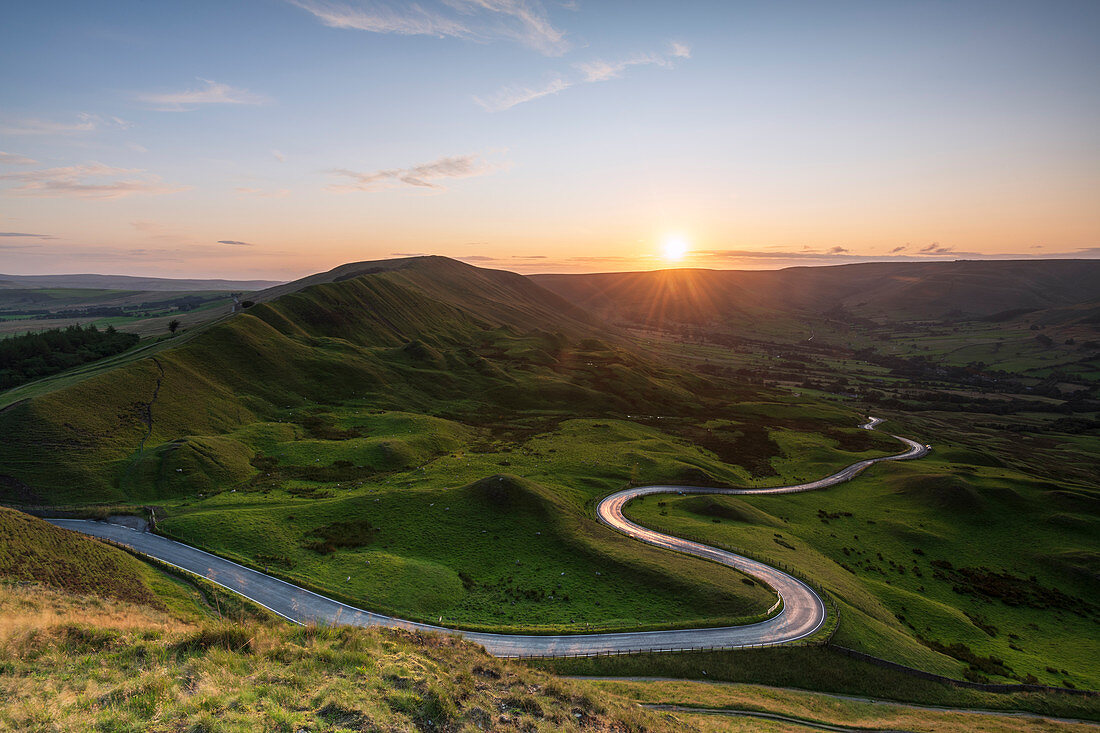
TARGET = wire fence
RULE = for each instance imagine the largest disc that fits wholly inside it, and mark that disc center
(820, 638)
(666, 650)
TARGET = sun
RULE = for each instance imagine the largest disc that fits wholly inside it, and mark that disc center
(674, 249)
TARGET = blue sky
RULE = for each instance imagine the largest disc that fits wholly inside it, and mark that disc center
(275, 138)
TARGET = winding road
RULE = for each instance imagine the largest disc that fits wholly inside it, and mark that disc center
(803, 611)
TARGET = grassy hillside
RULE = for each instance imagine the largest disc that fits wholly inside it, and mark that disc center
(717, 703)
(939, 565)
(378, 337)
(977, 561)
(74, 664)
(81, 573)
(320, 430)
(32, 550)
(495, 296)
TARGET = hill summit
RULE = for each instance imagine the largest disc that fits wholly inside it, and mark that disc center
(425, 333)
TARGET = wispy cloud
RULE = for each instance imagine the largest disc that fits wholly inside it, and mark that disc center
(509, 97)
(522, 21)
(935, 249)
(600, 70)
(279, 156)
(597, 70)
(27, 236)
(89, 181)
(235, 242)
(84, 122)
(679, 50)
(837, 250)
(425, 175)
(209, 92)
(13, 159)
(263, 193)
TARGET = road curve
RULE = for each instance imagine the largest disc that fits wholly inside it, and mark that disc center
(802, 614)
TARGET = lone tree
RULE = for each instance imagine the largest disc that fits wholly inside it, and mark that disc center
(173, 325)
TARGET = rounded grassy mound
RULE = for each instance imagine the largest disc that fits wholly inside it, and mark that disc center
(942, 491)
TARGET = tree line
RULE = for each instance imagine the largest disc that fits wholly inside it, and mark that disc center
(35, 355)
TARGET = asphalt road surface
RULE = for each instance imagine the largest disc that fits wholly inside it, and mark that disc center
(802, 614)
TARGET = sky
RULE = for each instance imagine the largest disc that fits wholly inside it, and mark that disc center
(277, 138)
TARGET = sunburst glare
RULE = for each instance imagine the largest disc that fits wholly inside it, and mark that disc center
(674, 249)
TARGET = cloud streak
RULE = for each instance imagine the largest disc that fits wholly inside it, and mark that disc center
(28, 236)
(600, 70)
(209, 92)
(935, 249)
(13, 159)
(591, 72)
(424, 175)
(235, 242)
(522, 21)
(85, 122)
(509, 97)
(88, 181)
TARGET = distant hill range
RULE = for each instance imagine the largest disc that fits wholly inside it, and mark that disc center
(958, 290)
(127, 282)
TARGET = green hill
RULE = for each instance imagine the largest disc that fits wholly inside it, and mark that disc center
(420, 333)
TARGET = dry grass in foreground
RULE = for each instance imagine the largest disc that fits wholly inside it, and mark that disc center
(78, 663)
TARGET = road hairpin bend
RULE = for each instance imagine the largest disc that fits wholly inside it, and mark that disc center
(801, 609)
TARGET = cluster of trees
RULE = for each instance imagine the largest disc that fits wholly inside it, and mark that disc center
(35, 355)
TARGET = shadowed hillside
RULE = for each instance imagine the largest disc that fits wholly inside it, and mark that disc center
(32, 550)
(495, 296)
(932, 290)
